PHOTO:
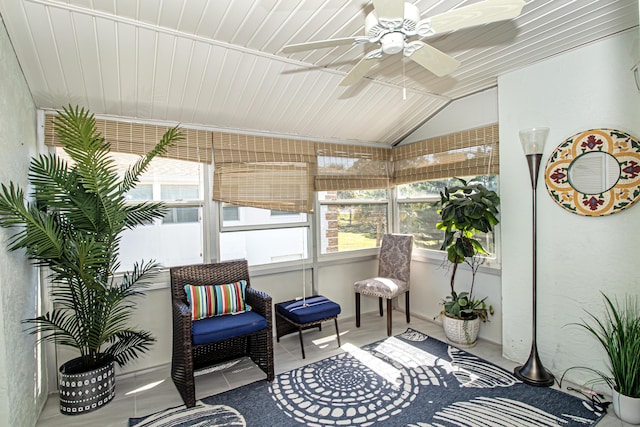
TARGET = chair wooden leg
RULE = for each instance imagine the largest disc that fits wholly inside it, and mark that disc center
(389, 317)
(406, 307)
(357, 310)
(337, 331)
(380, 306)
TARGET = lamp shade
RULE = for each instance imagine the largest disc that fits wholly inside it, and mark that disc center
(533, 140)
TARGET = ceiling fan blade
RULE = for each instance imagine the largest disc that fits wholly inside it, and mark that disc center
(389, 8)
(483, 12)
(432, 59)
(358, 71)
(317, 45)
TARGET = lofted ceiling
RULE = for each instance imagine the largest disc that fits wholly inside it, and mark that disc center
(218, 64)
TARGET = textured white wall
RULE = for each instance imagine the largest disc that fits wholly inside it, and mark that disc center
(479, 109)
(578, 256)
(22, 389)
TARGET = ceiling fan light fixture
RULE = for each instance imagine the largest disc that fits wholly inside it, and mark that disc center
(392, 42)
(393, 25)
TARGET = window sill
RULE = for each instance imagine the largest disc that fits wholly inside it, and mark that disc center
(491, 266)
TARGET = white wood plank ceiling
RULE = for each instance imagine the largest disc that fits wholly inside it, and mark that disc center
(218, 64)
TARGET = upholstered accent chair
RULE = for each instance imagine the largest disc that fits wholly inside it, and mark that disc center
(198, 344)
(394, 267)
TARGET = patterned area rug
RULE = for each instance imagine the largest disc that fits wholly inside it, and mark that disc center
(408, 380)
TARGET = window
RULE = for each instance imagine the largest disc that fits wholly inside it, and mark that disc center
(262, 237)
(418, 205)
(352, 220)
(177, 238)
(141, 192)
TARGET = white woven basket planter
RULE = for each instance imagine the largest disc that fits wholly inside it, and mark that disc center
(463, 333)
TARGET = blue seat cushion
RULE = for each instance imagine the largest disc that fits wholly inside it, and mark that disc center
(220, 328)
(309, 310)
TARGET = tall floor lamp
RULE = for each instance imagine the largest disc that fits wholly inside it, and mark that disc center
(532, 372)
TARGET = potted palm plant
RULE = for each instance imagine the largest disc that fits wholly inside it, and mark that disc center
(71, 225)
(618, 333)
(466, 210)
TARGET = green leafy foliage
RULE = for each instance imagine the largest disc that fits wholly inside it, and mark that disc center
(71, 224)
(464, 306)
(618, 333)
(466, 210)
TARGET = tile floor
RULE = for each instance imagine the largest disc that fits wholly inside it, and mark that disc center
(151, 391)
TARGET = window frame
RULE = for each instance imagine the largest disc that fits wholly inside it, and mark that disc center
(219, 228)
(434, 256)
(355, 253)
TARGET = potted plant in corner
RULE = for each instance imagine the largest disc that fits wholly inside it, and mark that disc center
(71, 225)
(618, 333)
(466, 210)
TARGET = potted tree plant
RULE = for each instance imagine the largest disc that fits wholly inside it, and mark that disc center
(71, 225)
(466, 210)
(618, 333)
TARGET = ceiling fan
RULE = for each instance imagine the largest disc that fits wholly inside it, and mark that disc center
(395, 26)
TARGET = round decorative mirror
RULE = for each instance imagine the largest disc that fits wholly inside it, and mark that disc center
(595, 173)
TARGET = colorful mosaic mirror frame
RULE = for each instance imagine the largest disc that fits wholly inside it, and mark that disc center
(624, 148)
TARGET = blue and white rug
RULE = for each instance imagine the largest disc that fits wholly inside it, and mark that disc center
(408, 380)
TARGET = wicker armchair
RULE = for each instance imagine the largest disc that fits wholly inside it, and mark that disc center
(188, 357)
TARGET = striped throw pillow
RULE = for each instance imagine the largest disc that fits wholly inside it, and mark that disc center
(216, 300)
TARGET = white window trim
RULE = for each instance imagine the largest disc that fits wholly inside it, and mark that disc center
(356, 254)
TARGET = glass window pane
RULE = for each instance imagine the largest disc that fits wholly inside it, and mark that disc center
(353, 195)
(420, 220)
(230, 212)
(265, 246)
(175, 192)
(141, 192)
(246, 216)
(181, 215)
(433, 188)
(423, 189)
(352, 227)
(169, 243)
(176, 239)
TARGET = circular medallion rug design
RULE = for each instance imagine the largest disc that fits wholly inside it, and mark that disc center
(357, 388)
(409, 380)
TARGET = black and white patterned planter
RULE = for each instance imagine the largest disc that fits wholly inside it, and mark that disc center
(83, 392)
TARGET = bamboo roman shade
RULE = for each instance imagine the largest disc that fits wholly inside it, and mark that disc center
(138, 138)
(263, 172)
(282, 174)
(351, 167)
(467, 153)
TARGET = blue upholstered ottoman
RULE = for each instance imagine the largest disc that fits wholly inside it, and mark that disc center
(296, 315)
